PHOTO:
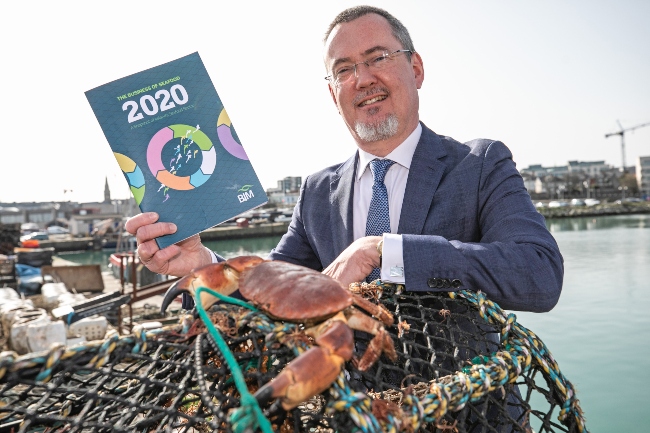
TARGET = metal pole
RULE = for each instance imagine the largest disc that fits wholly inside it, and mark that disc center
(623, 151)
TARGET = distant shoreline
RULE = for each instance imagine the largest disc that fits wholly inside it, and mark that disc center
(606, 209)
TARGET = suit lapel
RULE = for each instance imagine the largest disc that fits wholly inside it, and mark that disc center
(341, 192)
(424, 177)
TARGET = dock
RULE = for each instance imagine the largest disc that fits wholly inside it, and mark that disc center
(252, 231)
(143, 295)
(61, 244)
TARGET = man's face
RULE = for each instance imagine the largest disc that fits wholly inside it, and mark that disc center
(379, 107)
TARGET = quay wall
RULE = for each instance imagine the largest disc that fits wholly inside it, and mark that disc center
(253, 231)
(280, 228)
(213, 234)
(72, 244)
(606, 209)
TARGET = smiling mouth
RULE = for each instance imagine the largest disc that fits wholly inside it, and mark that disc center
(376, 94)
(373, 100)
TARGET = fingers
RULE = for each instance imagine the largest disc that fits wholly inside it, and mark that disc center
(177, 259)
(146, 228)
(134, 223)
(158, 260)
(151, 231)
(146, 236)
(355, 262)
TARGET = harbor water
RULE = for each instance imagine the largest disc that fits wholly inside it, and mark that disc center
(599, 332)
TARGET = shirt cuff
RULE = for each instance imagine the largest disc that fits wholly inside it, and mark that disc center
(392, 259)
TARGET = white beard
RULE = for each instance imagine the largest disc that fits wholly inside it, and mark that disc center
(371, 132)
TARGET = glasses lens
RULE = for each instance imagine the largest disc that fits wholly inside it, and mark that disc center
(379, 61)
(345, 72)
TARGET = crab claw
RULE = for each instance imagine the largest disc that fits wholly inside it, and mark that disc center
(314, 371)
(222, 277)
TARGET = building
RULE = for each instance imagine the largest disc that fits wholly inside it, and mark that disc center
(80, 218)
(290, 184)
(590, 168)
(538, 171)
(38, 213)
(576, 179)
(287, 191)
(107, 192)
(643, 175)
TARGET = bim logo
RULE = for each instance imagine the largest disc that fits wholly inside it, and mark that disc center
(246, 193)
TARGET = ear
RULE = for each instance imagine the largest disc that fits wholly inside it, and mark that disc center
(418, 69)
(333, 95)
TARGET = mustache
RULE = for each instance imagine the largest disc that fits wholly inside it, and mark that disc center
(367, 93)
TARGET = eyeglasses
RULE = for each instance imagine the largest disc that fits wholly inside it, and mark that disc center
(345, 72)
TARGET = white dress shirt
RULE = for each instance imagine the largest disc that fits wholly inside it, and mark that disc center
(392, 259)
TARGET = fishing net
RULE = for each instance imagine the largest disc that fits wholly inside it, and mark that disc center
(463, 365)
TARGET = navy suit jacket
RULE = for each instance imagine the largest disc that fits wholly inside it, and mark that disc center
(467, 223)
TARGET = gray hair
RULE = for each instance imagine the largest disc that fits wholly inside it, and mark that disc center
(399, 31)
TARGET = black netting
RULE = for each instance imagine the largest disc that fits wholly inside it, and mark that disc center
(451, 374)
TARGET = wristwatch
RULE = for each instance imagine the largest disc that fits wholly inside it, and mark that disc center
(380, 249)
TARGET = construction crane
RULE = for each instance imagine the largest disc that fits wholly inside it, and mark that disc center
(622, 132)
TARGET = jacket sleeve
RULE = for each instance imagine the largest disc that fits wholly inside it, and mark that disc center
(515, 260)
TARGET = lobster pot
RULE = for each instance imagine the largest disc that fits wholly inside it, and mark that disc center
(463, 365)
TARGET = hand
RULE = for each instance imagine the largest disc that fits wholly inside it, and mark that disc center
(178, 259)
(356, 262)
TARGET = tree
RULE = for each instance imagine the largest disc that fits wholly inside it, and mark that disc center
(629, 180)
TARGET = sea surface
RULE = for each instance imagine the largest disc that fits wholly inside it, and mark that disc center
(599, 332)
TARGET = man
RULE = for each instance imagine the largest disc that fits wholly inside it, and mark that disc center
(460, 217)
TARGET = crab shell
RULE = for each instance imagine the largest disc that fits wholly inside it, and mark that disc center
(270, 286)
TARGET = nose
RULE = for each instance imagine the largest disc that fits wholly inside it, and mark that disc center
(363, 75)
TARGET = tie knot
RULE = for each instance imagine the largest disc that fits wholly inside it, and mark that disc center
(379, 167)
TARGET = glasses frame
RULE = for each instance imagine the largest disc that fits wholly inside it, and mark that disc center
(387, 55)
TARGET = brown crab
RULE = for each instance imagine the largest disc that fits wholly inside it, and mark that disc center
(297, 294)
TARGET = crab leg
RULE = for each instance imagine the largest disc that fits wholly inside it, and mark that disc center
(313, 371)
(378, 311)
(380, 343)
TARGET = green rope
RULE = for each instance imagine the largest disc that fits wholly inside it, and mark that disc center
(526, 344)
(358, 406)
(249, 415)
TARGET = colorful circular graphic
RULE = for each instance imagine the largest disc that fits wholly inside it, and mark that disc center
(225, 132)
(133, 175)
(188, 137)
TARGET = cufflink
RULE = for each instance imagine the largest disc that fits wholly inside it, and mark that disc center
(396, 271)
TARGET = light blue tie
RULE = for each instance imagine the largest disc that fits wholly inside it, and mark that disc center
(378, 221)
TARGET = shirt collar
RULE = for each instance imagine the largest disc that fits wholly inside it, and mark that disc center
(402, 154)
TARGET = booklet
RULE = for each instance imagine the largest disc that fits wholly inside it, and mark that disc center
(177, 147)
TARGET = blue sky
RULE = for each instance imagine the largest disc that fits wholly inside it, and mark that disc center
(549, 79)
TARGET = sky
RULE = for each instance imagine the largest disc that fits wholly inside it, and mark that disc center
(548, 78)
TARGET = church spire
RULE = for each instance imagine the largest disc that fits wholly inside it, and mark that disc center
(107, 192)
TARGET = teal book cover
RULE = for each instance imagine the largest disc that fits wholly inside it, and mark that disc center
(177, 147)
